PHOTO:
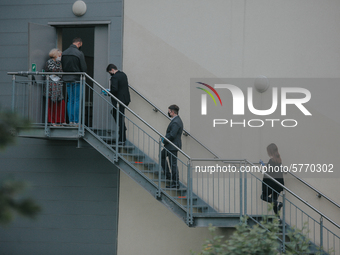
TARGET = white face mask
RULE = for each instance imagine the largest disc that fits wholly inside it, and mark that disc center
(58, 59)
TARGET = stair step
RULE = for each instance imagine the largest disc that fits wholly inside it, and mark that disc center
(162, 180)
(143, 163)
(179, 190)
(152, 172)
(130, 147)
(199, 208)
(183, 200)
(139, 156)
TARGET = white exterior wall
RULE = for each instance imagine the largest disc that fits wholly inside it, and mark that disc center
(168, 42)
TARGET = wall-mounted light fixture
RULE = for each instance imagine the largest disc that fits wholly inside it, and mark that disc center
(79, 8)
(261, 83)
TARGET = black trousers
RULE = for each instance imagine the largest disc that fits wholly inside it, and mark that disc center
(270, 195)
(121, 119)
(172, 156)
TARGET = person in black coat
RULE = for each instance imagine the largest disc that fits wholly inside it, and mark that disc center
(173, 133)
(120, 89)
(270, 189)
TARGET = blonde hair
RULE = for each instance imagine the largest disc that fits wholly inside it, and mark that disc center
(54, 53)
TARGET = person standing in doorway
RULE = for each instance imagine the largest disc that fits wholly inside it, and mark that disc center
(120, 89)
(173, 133)
(73, 60)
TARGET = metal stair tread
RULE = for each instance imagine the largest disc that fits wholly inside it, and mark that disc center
(132, 155)
(216, 215)
(143, 163)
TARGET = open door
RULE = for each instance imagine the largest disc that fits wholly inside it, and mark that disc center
(41, 39)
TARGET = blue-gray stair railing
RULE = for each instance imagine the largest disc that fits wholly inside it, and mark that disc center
(218, 192)
(187, 133)
(214, 180)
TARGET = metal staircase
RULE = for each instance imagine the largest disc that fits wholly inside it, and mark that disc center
(219, 199)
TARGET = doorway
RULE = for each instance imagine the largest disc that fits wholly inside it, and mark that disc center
(95, 47)
(65, 35)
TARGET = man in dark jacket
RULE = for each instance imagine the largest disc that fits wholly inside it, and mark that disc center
(173, 133)
(73, 60)
(120, 89)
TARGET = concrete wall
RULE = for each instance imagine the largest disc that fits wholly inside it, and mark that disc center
(166, 43)
(147, 227)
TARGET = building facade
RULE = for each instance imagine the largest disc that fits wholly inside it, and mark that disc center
(89, 205)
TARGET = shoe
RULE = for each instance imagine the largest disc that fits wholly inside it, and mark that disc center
(279, 206)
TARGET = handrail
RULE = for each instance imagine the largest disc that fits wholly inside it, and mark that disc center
(204, 146)
(267, 175)
(24, 73)
(136, 115)
(299, 198)
(319, 193)
(159, 110)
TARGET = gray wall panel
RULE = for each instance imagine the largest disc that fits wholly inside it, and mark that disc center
(67, 221)
(78, 188)
(5, 88)
(78, 191)
(41, 2)
(54, 166)
(15, 51)
(50, 248)
(14, 25)
(13, 39)
(94, 236)
(13, 64)
(76, 207)
(5, 102)
(72, 193)
(66, 178)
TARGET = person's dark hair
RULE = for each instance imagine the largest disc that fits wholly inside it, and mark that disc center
(110, 67)
(77, 39)
(175, 108)
(273, 152)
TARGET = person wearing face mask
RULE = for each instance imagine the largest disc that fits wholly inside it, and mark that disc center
(173, 134)
(56, 103)
(120, 89)
(73, 60)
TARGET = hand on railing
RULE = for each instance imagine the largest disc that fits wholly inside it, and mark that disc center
(104, 92)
